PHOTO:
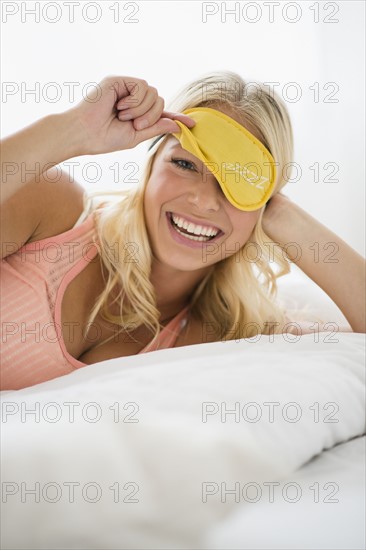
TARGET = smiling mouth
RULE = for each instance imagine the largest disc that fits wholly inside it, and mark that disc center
(192, 236)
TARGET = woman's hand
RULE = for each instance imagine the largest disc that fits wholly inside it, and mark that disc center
(321, 254)
(275, 214)
(107, 126)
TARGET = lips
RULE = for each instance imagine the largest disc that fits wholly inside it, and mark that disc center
(201, 223)
(185, 239)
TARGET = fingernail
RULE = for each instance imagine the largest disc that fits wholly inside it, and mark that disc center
(122, 107)
(124, 116)
(141, 124)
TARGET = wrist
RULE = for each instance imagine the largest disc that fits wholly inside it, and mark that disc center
(284, 221)
(71, 135)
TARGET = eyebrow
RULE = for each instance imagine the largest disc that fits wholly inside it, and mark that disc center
(171, 147)
(193, 158)
(178, 146)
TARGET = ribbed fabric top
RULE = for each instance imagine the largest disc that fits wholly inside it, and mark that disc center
(32, 285)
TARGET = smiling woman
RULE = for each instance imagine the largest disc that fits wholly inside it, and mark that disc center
(196, 248)
(182, 258)
(193, 198)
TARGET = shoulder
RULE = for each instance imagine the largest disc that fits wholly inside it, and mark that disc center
(62, 204)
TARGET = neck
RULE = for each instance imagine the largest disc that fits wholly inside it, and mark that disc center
(173, 287)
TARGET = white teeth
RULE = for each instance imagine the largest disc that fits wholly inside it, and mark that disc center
(191, 237)
(194, 229)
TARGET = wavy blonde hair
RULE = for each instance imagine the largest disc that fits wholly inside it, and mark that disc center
(237, 298)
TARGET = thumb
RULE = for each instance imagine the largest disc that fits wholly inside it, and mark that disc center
(162, 126)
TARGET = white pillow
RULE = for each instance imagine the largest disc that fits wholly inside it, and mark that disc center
(171, 451)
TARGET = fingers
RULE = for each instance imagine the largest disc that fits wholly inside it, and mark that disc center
(165, 125)
(182, 118)
(137, 101)
(126, 88)
(137, 92)
(162, 126)
(150, 118)
(146, 113)
(141, 104)
(145, 107)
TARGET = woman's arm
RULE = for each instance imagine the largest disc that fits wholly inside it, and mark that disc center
(28, 193)
(323, 256)
(93, 127)
(30, 152)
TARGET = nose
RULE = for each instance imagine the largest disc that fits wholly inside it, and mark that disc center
(205, 193)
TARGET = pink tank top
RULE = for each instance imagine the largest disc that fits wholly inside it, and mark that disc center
(32, 285)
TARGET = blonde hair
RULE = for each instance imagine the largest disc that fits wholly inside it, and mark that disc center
(238, 295)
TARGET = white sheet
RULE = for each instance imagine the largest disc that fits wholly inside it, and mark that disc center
(328, 508)
(169, 453)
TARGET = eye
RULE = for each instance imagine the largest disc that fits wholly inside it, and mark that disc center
(184, 164)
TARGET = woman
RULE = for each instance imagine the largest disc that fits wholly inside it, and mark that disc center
(181, 259)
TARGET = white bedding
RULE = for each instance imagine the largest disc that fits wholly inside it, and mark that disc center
(169, 454)
(329, 512)
(170, 460)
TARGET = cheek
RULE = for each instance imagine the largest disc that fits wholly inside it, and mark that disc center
(158, 190)
(152, 199)
(243, 223)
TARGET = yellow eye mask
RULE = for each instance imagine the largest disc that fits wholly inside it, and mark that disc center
(242, 165)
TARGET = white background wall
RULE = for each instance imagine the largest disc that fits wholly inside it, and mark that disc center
(316, 45)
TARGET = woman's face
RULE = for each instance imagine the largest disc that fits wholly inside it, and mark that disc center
(182, 186)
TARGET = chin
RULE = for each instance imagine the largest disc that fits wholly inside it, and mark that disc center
(180, 262)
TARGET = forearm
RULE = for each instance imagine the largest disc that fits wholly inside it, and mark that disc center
(328, 260)
(28, 153)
